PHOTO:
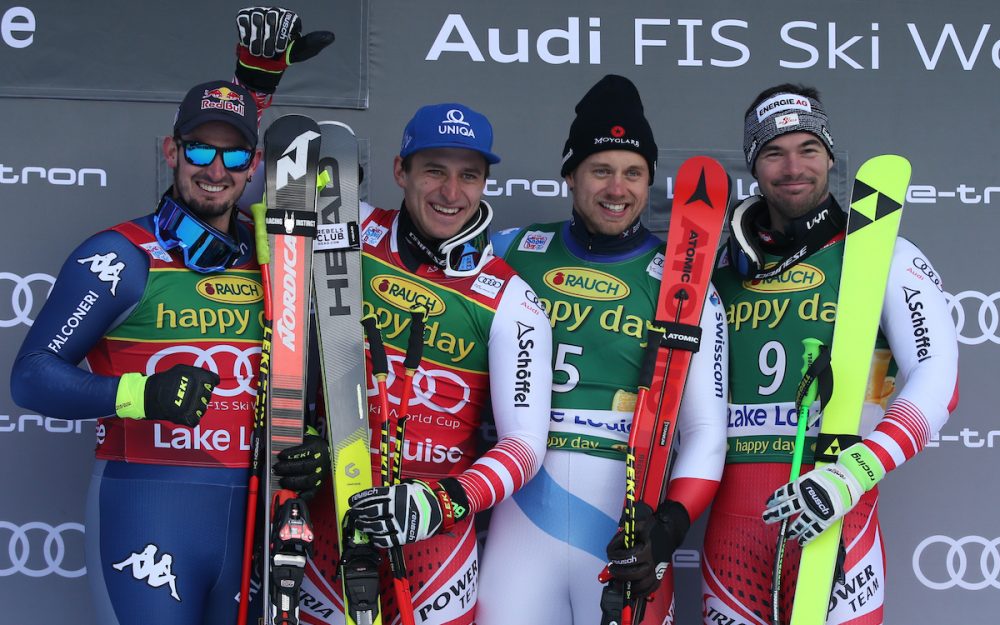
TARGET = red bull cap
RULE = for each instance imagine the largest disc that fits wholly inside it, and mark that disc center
(222, 101)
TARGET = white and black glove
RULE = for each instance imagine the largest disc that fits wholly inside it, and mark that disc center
(408, 512)
(657, 536)
(824, 495)
(270, 40)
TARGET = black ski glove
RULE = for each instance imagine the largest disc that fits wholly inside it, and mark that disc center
(303, 468)
(179, 395)
(270, 41)
(657, 536)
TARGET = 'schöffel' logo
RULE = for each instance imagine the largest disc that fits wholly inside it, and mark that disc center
(239, 365)
(230, 289)
(404, 294)
(946, 563)
(586, 283)
(801, 277)
(37, 549)
(986, 314)
(22, 298)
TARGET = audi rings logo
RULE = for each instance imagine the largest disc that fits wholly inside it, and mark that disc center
(947, 562)
(238, 365)
(38, 549)
(425, 388)
(976, 316)
(24, 293)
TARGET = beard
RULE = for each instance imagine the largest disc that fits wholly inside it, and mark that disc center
(206, 211)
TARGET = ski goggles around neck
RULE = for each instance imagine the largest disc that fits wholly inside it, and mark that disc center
(202, 154)
(204, 248)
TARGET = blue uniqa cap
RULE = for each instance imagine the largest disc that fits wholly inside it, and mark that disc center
(448, 125)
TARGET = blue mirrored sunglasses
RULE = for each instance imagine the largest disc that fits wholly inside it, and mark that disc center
(202, 154)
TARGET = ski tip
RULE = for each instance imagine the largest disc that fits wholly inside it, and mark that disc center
(341, 124)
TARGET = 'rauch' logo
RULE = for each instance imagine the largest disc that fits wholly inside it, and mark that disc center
(403, 294)
(586, 283)
(230, 290)
(800, 277)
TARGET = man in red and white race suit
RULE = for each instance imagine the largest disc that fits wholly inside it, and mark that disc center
(487, 346)
(798, 226)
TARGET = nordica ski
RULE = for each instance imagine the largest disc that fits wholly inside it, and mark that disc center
(337, 277)
(872, 226)
(701, 200)
(291, 153)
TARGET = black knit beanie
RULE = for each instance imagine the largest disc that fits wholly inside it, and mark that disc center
(609, 117)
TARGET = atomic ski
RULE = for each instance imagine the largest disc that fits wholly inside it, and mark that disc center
(291, 153)
(337, 276)
(872, 224)
(701, 200)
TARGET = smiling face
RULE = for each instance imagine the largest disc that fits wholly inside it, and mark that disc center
(211, 191)
(793, 173)
(442, 188)
(610, 190)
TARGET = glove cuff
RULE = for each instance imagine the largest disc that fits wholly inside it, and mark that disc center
(863, 465)
(453, 500)
(131, 395)
(257, 73)
(673, 518)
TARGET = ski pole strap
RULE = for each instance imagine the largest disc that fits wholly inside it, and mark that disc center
(829, 445)
(680, 336)
(654, 337)
(820, 370)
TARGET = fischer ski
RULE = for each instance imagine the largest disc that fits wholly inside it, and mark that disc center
(872, 226)
(337, 276)
(701, 201)
(291, 153)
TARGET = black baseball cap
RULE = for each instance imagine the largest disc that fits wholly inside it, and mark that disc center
(219, 100)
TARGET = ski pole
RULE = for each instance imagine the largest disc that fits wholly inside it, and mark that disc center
(260, 412)
(391, 471)
(612, 600)
(805, 396)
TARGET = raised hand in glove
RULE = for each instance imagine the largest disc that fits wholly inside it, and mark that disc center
(180, 395)
(657, 536)
(824, 495)
(408, 512)
(270, 41)
(304, 467)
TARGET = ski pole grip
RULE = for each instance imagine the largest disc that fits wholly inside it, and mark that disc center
(260, 233)
(415, 347)
(380, 364)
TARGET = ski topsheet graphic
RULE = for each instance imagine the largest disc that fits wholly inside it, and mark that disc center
(337, 277)
(701, 199)
(872, 225)
(291, 153)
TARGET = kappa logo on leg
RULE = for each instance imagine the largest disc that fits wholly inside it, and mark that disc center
(145, 567)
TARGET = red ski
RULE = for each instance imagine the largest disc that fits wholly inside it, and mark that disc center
(701, 200)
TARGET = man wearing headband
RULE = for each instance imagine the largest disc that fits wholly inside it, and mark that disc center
(166, 309)
(784, 255)
(487, 348)
(605, 265)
